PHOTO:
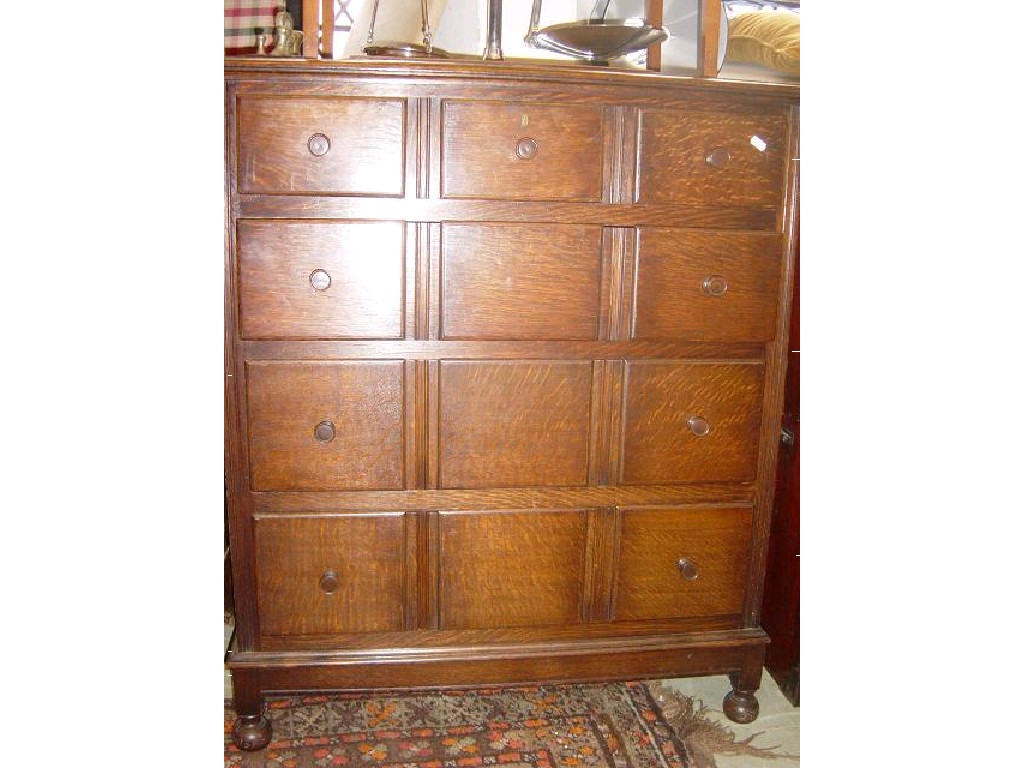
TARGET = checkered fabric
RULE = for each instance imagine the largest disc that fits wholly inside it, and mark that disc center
(241, 17)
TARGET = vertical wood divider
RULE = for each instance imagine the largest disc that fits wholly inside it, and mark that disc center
(707, 45)
(435, 127)
(616, 377)
(412, 576)
(326, 28)
(776, 362)
(429, 573)
(654, 12)
(433, 424)
(597, 459)
(310, 29)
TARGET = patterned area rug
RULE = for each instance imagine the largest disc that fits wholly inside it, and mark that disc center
(617, 725)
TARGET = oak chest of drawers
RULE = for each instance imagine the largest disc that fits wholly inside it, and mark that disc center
(503, 373)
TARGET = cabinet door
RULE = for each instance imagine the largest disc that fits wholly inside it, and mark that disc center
(321, 145)
(512, 568)
(514, 423)
(706, 286)
(326, 425)
(686, 422)
(682, 563)
(711, 158)
(331, 575)
(528, 151)
(321, 280)
(520, 281)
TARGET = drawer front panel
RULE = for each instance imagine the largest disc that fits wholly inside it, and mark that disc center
(331, 575)
(712, 286)
(309, 145)
(514, 423)
(495, 150)
(326, 426)
(330, 280)
(520, 281)
(681, 563)
(511, 569)
(707, 158)
(688, 422)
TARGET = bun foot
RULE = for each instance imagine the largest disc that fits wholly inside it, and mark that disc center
(251, 733)
(740, 707)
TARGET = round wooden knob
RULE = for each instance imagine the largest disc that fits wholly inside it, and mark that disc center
(319, 145)
(687, 568)
(329, 582)
(319, 279)
(698, 425)
(324, 431)
(717, 157)
(527, 148)
(715, 285)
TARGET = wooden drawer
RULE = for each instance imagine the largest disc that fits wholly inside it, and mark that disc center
(520, 281)
(511, 568)
(652, 583)
(330, 575)
(326, 145)
(326, 425)
(711, 158)
(324, 279)
(706, 286)
(521, 151)
(514, 423)
(686, 422)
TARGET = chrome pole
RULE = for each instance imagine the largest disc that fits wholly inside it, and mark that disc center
(493, 50)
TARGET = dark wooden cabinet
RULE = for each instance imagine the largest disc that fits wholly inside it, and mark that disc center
(505, 353)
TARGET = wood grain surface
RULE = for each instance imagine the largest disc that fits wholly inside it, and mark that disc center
(648, 582)
(367, 145)
(363, 400)
(511, 568)
(366, 552)
(672, 267)
(514, 423)
(675, 145)
(660, 398)
(364, 265)
(520, 281)
(479, 158)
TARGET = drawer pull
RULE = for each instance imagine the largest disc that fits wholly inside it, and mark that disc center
(324, 432)
(717, 157)
(687, 568)
(321, 280)
(715, 285)
(698, 425)
(527, 148)
(319, 144)
(329, 582)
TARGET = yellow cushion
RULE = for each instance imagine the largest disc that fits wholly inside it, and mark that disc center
(769, 38)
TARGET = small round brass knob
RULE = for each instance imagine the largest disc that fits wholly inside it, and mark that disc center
(715, 285)
(319, 279)
(717, 157)
(687, 568)
(527, 148)
(324, 432)
(698, 425)
(319, 144)
(329, 582)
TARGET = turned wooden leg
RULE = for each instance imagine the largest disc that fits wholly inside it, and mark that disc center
(251, 730)
(740, 705)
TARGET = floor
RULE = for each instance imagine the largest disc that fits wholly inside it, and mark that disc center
(778, 721)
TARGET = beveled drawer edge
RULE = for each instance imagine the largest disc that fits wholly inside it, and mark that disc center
(267, 503)
(632, 644)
